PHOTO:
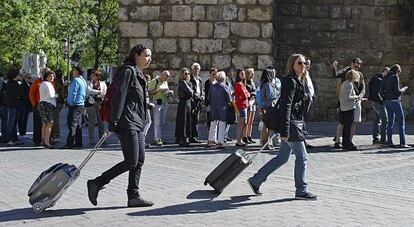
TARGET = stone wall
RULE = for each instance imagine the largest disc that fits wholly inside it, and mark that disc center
(325, 30)
(219, 33)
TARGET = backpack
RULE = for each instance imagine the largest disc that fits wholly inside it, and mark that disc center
(105, 110)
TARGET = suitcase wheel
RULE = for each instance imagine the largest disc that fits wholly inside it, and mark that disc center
(37, 208)
(205, 182)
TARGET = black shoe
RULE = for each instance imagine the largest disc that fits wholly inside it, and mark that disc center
(139, 202)
(375, 141)
(77, 146)
(306, 196)
(245, 140)
(308, 146)
(194, 140)
(334, 139)
(184, 144)
(337, 146)
(350, 148)
(228, 139)
(48, 146)
(240, 145)
(251, 140)
(93, 190)
(67, 147)
(254, 188)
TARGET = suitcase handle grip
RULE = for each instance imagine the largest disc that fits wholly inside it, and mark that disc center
(93, 151)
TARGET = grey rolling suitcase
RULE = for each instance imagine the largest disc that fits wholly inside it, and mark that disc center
(52, 183)
(231, 167)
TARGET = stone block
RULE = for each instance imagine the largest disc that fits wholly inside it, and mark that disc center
(184, 45)
(262, 13)
(205, 29)
(200, 2)
(246, 2)
(160, 61)
(166, 45)
(265, 2)
(221, 61)
(205, 61)
(145, 13)
(130, 29)
(267, 30)
(181, 13)
(122, 14)
(155, 29)
(340, 12)
(221, 30)
(156, 2)
(176, 2)
(180, 29)
(146, 42)
(175, 62)
(245, 30)
(230, 12)
(123, 46)
(359, 2)
(199, 13)
(241, 15)
(165, 13)
(368, 12)
(214, 13)
(130, 2)
(222, 2)
(242, 61)
(207, 45)
(264, 60)
(288, 9)
(315, 11)
(229, 46)
(189, 59)
(254, 46)
(328, 25)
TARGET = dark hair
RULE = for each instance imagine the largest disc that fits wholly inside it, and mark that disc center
(97, 73)
(212, 69)
(12, 73)
(136, 50)
(59, 73)
(46, 73)
(266, 73)
(229, 69)
(238, 79)
(395, 68)
(270, 67)
(79, 69)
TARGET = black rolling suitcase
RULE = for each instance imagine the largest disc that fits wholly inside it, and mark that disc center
(230, 168)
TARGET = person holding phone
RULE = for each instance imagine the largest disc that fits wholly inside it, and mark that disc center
(393, 104)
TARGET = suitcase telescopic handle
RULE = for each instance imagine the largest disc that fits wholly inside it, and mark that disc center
(263, 147)
(94, 150)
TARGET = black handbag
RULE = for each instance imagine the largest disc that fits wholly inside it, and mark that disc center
(90, 100)
(231, 115)
(272, 118)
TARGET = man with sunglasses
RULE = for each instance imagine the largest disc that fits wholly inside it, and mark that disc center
(359, 88)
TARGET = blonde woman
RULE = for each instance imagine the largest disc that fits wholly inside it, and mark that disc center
(251, 110)
(348, 103)
(292, 135)
(185, 93)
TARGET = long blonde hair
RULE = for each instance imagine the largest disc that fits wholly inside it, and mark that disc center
(291, 62)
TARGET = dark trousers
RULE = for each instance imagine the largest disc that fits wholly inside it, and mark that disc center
(55, 134)
(23, 116)
(74, 123)
(183, 124)
(4, 118)
(195, 115)
(347, 120)
(12, 121)
(37, 126)
(133, 149)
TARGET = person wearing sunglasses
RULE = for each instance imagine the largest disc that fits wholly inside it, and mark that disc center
(183, 123)
(359, 87)
(292, 110)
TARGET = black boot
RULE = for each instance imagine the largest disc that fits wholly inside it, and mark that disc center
(135, 200)
(93, 190)
(245, 140)
(251, 140)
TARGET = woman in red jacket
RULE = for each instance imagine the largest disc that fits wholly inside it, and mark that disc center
(241, 95)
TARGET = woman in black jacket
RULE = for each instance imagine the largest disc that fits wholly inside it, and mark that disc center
(185, 93)
(127, 118)
(292, 110)
(14, 101)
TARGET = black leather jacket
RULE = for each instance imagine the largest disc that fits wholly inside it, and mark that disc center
(128, 104)
(292, 108)
(376, 91)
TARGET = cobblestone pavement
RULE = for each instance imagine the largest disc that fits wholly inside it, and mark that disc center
(372, 186)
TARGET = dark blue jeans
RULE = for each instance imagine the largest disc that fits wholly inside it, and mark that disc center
(74, 122)
(13, 118)
(133, 149)
(379, 124)
(37, 126)
(395, 113)
(4, 118)
(23, 116)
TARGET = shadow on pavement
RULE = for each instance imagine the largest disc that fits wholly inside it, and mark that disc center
(7, 149)
(206, 205)
(27, 213)
(391, 151)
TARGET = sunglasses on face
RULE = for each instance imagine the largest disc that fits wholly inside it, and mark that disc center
(302, 63)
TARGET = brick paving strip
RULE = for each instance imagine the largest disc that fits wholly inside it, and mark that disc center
(372, 186)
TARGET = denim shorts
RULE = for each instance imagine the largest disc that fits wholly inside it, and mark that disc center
(243, 113)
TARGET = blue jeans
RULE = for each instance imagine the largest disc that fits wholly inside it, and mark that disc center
(282, 158)
(13, 118)
(379, 124)
(395, 113)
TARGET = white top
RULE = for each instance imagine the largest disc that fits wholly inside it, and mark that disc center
(100, 93)
(47, 93)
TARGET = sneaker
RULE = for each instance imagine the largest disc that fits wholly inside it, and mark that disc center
(139, 202)
(11, 143)
(375, 141)
(158, 142)
(93, 190)
(194, 140)
(306, 196)
(337, 146)
(255, 189)
(220, 146)
(228, 139)
(404, 146)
